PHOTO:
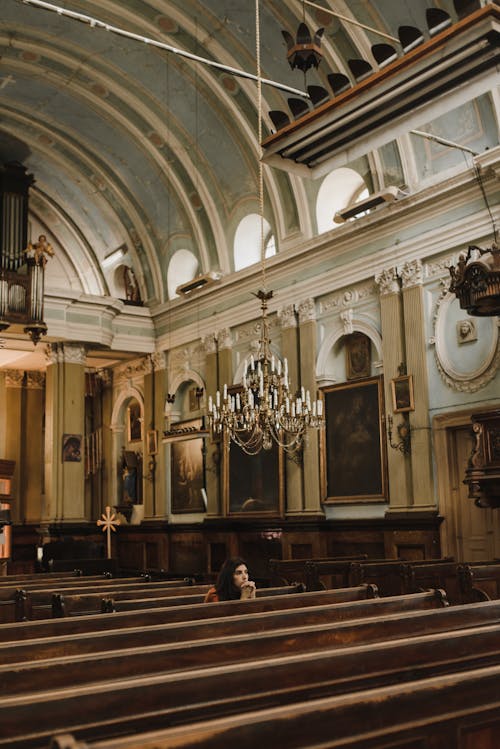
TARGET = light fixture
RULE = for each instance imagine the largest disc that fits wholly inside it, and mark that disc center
(475, 281)
(263, 411)
(198, 282)
(387, 195)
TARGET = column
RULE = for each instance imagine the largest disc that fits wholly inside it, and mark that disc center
(14, 437)
(416, 362)
(308, 344)
(34, 446)
(64, 416)
(289, 350)
(155, 392)
(393, 354)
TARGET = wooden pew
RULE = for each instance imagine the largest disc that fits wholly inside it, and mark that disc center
(459, 710)
(387, 574)
(92, 642)
(287, 571)
(126, 600)
(137, 702)
(479, 582)
(34, 602)
(149, 617)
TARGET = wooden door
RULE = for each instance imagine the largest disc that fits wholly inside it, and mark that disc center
(477, 529)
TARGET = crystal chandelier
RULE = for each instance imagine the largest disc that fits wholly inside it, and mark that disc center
(263, 411)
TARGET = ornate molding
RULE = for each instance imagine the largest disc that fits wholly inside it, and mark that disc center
(65, 353)
(347, 319)
(444, 339)
(35, 380)
(224, 339)
(307, 311)
(388, 281)
(136, 368)
(159, 361)
(209, 344)
(287, 317)
(346, 298)
(14, 378)
(412, 274)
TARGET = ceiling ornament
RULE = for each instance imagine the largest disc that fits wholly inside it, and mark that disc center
(263, 411)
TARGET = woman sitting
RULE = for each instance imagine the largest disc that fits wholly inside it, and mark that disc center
(232, 583)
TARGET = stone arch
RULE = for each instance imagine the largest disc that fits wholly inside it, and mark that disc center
(334, 336)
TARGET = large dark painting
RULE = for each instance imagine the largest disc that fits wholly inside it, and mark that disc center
(353, 448)
(187, 468)
(253, 484)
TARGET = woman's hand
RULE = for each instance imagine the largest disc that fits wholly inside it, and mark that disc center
(247, 590)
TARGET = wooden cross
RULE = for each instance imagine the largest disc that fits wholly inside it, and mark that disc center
(108, 523)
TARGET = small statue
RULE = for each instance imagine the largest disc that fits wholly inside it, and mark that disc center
(40, 250)
(132, 292)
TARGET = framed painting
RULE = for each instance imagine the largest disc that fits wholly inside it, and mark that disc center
(134, 422)
(72, 448)
(253, 484)
(402, 394)
(353, 448)
(187, 466)
(358, 356)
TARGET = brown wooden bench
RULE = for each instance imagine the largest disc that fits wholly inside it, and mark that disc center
(93, 642)
(34, 602)
(459, 710)
(69, 671)
(479, 582)
(127, 600)
(149, 617)
(287, 571)
(387, 574)
(158, 698)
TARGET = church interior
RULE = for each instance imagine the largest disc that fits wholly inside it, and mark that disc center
(249, 308)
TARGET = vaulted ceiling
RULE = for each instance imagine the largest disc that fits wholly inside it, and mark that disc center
(133, 146)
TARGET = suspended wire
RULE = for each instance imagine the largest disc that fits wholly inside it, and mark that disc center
(95, 22)
(259, 141)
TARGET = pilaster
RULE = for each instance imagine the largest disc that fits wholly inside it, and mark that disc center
(34, 447)
(393, 354)
(14, 436)
(64, 415)
(293, 471)
(308, 354)
(415, 348)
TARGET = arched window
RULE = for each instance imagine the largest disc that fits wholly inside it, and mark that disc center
(340, 188)
(182, 268)
(247, 241)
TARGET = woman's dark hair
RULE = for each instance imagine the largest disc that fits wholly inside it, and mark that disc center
(224, 586)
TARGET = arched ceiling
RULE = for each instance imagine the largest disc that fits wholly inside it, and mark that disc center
(134, 146)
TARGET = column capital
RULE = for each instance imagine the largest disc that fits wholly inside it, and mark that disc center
(209, 344)
(224, 339)
(287, 317)
(158, 361)
(14, 378)
(35, 380)
(412, 274)
(388, 281)
(65, 353)
(307, 311)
